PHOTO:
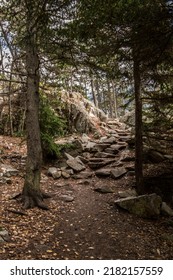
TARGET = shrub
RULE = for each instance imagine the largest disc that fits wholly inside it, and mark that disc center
(51, 126)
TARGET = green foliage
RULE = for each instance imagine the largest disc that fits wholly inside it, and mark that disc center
(51, 126)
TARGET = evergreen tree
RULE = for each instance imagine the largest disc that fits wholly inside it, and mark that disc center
(135, 32)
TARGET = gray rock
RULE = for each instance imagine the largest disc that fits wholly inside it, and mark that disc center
(118, 147)
(104, 172)
(84, 182)
(131, 173)
(57, 175)
(100, 147)
(65, 175)
(104, 155)
(54, 172)
(1, 240)
(109, 140)
(76, 164)
(145, 206)
(96, 163)
(103, 189)
(83, 159)
(51, 171)
(127, 193)
(67, 198)
(89, 146)
(83, 175)
(85, 138)
(118, 172)
(111, 151)
(69, 171)
(124, 138)
(68, 156)
(4, 235)
(8, 170)
(166, 210)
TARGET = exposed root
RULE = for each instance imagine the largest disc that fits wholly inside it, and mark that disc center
(31, 201)
(16, 196)
(17, 212)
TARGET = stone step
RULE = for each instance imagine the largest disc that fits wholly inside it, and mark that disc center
(96, 163)
(104, 155)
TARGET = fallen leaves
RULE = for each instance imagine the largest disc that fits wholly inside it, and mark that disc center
(88, 228)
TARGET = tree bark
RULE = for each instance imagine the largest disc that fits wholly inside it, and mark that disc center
(93, 91)
(115, 101)
(32, 195)
(109, 92)
(138, 127)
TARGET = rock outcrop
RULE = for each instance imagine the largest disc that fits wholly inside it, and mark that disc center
(145, 206)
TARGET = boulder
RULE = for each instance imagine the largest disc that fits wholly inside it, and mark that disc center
(166, 210)
(118, 172)
(145, 206)
(76, 164)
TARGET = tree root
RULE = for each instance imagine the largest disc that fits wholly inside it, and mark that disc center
(31, 201)
(17, 212)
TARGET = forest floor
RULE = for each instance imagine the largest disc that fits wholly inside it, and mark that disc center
(89, 227)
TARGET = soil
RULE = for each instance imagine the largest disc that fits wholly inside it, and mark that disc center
(86, 226)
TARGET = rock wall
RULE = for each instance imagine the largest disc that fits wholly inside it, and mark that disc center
(83, 116)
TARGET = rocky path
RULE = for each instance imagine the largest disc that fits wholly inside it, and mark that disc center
(83, 221)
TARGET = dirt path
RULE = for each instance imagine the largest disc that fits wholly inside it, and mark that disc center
(87, 226)
(91, 227)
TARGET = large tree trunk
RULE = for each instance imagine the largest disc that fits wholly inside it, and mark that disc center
(138, 127)
(31, 194)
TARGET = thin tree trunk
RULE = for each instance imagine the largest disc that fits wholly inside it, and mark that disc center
(98, 93)
(9, 99)
(110, 98)
(138, 127)
(93, 91)
(115, 101)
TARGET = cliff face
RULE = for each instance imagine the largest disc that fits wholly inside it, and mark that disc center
(82, 115)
